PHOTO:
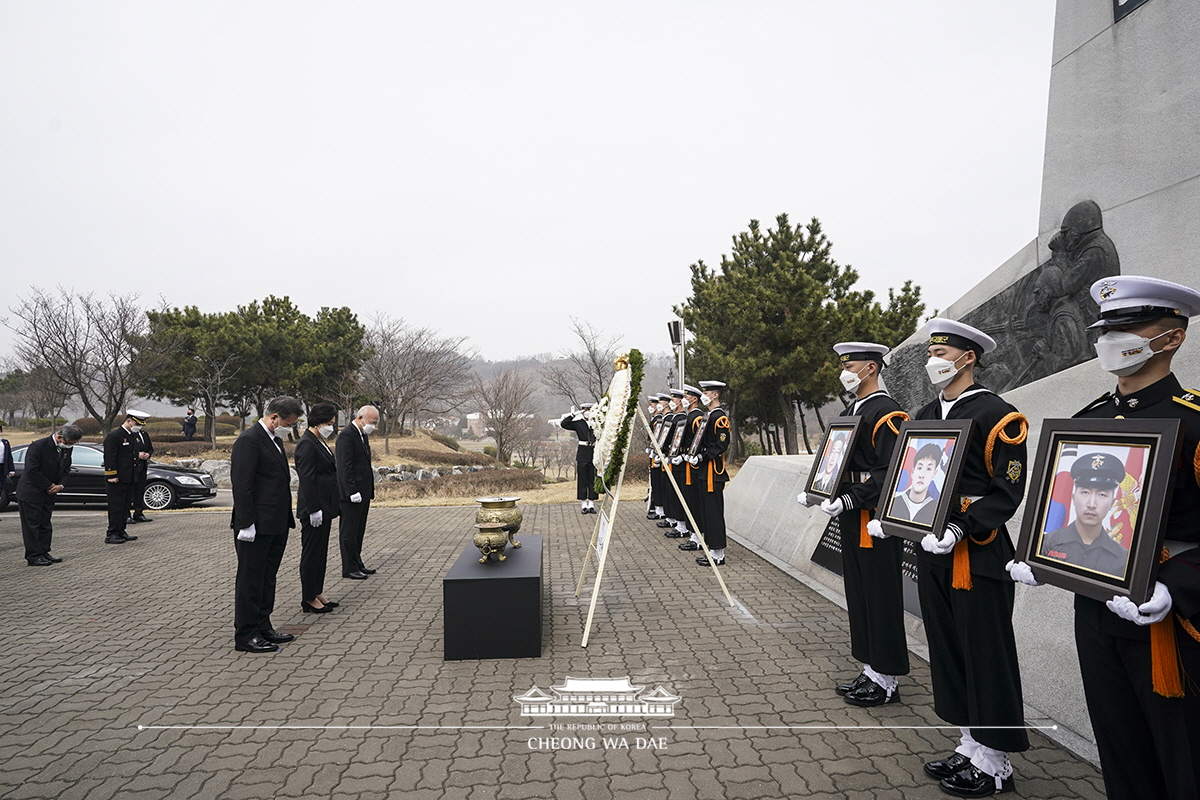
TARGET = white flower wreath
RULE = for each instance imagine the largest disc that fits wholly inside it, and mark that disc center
(609, 415)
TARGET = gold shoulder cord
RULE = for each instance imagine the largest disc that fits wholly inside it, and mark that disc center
(888, 420)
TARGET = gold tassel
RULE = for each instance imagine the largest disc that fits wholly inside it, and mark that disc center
(864, 539)
(1164, 652)
(961, 577)
(710, 476)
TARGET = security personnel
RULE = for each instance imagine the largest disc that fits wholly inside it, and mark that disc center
(145, 450)
(673, 423)
(1147, 720)
(966, 596)
(707, 459)
(1086, 542)
(120, 471)
(585, 469)
(686, 429)
(871, 565)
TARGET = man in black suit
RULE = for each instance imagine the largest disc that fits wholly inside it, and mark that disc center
(316, 505)
(141, 466)
(47, 463)
(120, 456)
(262, 517)
(356, 488)
(7, 469)
(189, 425)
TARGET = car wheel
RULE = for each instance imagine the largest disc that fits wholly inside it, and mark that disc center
(158, 496)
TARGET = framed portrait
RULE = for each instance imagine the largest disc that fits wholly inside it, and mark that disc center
(833, 456)
(918, 493)
(1097, 496)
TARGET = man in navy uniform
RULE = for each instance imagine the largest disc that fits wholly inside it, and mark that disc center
(687, 426)
(672, 510)
(708, 474)
(1148, 735)
(871, 564)
(141, 466)
(585, 454)
(654, 417)
(966, 595)
(47, 464)
(121, 457)
(1085, 542)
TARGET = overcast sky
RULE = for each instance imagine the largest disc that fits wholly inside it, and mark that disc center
(491, 169)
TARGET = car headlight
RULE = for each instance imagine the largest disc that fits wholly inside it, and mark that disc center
(188, 480)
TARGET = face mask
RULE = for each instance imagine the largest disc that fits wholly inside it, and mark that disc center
(941, 371)
(369, 428)
(283, 432)
(706, 400)
(673, 406)
(65, 446)
(1123, 353)
(851, 380)
(326, 431)
(135, 428)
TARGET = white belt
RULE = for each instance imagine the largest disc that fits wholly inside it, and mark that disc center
(858, 477)
(585, 444)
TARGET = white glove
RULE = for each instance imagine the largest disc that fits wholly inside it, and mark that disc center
(693, 460)
(939, 547)
(1153, 610)
(315, 518)
(802, 499)
(676, 460)
(356, 497)
(246, 534)
(875, 528)
(833, 507)
(1021, 572)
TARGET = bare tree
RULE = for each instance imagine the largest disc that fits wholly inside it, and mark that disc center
(46, 394)
(509, 413)
(91, 345)
(583, 375)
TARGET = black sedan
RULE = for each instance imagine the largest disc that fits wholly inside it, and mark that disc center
(167, 486)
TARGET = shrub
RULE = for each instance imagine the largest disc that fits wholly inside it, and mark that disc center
(226, 419)
(181, 449)
(89, 425)
(434, 457)
(489, 450)
(751, 447)
(41, 422)
(488, 482)
(449, 441)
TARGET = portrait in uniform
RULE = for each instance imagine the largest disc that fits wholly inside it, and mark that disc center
(1087, 540)
(917, 502)
(830, 466)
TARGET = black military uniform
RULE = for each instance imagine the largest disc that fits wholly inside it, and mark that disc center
(709, 476)
(141, 469)
(652, 478)
(687, 426)
(585, 469)
(120, 457)
(871, 568)
(672, 511)
(1149, 744)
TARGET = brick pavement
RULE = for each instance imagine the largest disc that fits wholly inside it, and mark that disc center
(141, 634)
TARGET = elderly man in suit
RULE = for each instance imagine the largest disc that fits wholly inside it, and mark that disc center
(356, 488)
(262, 517)
(47, 464)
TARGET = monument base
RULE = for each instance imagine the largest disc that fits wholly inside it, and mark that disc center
(494, 610)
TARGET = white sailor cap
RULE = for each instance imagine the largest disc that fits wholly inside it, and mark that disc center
(692, 390)
(861, 351)
(139, 417)
(956, 334)
(586, 406)
(663, 396)
(706, 385)
(677, 393)
(1129, 299)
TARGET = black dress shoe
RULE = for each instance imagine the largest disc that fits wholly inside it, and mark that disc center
(143, 519)
(52, 559)
(674, 534)
(128, 537)
(842, 688)
(974, 782)
(132, 521)
(332, 604)
(871, 694)
(664, 524)
(40, 561)
(651, 515)
(689, 546)
(307, 609)
(275, 637)
(115, 538)
(947, 767)
(255, 644)
(704, 562)
(355, 576)
(367, 570)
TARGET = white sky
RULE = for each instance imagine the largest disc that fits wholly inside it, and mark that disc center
(491, 169)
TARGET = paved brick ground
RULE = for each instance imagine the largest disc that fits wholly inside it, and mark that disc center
(140, 634)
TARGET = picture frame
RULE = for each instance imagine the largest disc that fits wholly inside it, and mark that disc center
(1100, 487)
(833, 457)
(918, 493)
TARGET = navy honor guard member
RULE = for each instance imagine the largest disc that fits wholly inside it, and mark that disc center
(966, 595)
(585, 453)
(47, 465)
(871, 561)
(654, 505)
(122, 449)
(706, 462)
(670, 501)
(687, 425)
(1141, 692)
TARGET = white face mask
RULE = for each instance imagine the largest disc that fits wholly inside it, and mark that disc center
(326, 431)
(1123, 353)
(283, 432)
(368, 429)
(673, 405)
(851, 380)
(941, 371)
(706, 400)
(135, 428)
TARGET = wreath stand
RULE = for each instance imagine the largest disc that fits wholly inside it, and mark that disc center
(602, 531)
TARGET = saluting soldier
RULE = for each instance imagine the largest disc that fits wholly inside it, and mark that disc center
(871, 564)
(966, 596)
(673, 422)
(688, 426)
(707, 459)
(585, 469)
(1147, 729)
(120, 471)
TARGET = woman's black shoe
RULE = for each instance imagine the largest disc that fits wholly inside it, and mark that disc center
(312, 610)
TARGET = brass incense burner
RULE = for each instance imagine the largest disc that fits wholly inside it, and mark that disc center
(490, 538)
(501, 510)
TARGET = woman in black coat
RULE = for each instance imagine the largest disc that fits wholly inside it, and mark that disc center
(316, 506)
